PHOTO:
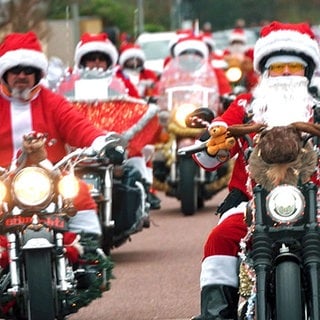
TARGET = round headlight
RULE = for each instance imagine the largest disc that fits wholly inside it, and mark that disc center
(68, 186)
(181, 113)
(285, 204)
(3, 191)
(32, 186)
(234, 74)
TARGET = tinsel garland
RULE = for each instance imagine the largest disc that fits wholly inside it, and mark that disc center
(183, 132)
(83, 297)
(77, 298)
(247, 276)
(132, 117)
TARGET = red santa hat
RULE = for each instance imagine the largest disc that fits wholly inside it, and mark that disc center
(191, 43)
(22, 49)
(286, 39)
(237, 34)
(129, 51)
(95, 42)
(181, 33)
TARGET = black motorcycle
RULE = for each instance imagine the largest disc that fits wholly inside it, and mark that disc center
(280, 255)
(119, 189)
(39, 281)
(187, 84)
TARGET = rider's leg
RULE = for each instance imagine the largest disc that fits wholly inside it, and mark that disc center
(219, 269)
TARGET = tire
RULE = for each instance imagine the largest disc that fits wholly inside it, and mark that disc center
(288, 292)
(188, 186)
(40, 293)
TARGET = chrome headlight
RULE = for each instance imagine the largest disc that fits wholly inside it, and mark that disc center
(3, 191)
(234, 74)
(68, 186)
(181, 113)
(32, 186)
(285, 204)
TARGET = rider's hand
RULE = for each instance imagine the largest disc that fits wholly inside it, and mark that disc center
(220, 141)
(112, 139)
(199, 118)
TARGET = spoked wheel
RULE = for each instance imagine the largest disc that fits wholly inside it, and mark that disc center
(188, 185)
(40, 286)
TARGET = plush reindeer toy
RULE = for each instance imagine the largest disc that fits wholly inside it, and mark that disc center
(282, 155)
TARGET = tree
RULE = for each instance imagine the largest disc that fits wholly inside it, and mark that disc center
(25, 15)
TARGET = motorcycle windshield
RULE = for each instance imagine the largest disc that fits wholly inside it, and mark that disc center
(189, 79)
(92, 85)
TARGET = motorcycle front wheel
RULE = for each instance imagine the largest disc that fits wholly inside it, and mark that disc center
(289, 300)
(39, 296)
(188, 185)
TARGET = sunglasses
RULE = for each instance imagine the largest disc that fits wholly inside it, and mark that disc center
(95, 56)
(25, 69)
(280, 67)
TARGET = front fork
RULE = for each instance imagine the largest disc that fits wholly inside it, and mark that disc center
(13, 263)
(63, 271)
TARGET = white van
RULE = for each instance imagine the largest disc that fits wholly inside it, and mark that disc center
(156, 48)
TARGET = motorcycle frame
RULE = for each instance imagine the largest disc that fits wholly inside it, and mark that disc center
(174, 147)
(264, 261)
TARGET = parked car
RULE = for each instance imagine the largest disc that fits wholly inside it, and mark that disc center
(156, 48)
(221, 37)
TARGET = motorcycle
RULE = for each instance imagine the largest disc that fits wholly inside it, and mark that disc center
(39, 279)
(240, 73)
(120, 191)
(187, 83)
(280, 258)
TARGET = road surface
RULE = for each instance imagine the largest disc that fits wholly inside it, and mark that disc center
(157, 273)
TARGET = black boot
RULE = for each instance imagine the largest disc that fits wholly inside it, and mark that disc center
(218, 302)
(93, 263)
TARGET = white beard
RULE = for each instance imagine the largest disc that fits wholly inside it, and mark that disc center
(280, 101)
(21, 94)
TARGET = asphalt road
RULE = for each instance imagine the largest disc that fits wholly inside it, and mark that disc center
(157, 273)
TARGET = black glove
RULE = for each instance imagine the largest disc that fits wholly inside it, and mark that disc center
(205, 114)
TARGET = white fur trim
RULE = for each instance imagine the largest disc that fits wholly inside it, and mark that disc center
(218, 123)
(152, 111)
(286, 40)
(106, 47)
(191, 44)
(240, 209)
(25, 57)
(285, 59)
(237, 36)
(131, 53)
(219, 269)
(205, 161)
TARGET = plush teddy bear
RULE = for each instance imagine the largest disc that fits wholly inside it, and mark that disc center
(219, 139)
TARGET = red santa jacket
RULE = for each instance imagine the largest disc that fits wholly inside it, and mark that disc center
(48, 113)
(235, 114)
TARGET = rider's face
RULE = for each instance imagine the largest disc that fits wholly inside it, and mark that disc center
(96, 60)
(286, 69)
(21, 78)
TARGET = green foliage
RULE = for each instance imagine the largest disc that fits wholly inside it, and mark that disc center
(112, 12)
(158, 15)
(154, 28)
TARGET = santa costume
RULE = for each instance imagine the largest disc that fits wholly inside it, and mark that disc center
(43, 111)
(277, 42)
(143, 79)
